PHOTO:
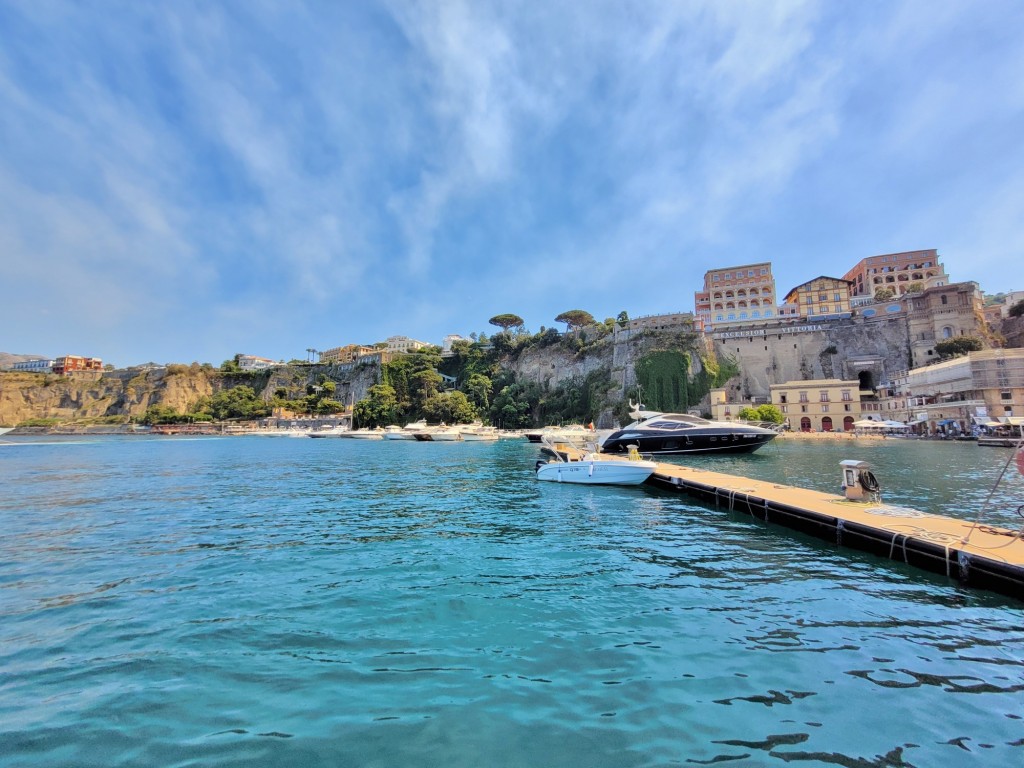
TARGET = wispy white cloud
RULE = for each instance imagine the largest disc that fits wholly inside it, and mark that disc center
(251, 173)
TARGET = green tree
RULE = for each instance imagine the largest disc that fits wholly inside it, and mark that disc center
(1017, 309)
(506, 321)
(239, 402)
(425, 384)
(622, 319)
(575, 319)
(231, 366)
(378, 408)
(450, 408)
(765, 412)
(958, 346)
(478, 390)
(512, 406)
(884, 294)
(162, 414)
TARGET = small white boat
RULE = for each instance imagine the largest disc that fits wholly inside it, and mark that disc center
(330, 432)
(477, 433)
(366, 434)
(408, 432)
(570, 465)
(571, 432)
(440, 434)
(5, 430)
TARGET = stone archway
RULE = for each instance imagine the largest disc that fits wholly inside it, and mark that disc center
(867, 380)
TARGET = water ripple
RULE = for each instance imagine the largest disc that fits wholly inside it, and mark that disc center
(265, 602)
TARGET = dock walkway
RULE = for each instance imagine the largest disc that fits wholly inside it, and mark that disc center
(983, 556)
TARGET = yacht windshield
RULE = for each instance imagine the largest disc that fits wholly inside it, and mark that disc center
(676, 421)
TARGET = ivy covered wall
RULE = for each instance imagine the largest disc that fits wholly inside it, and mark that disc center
(667, 384)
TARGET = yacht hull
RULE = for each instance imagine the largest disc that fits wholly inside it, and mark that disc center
(698, 441)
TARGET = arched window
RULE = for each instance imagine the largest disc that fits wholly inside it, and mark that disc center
(826, 423)
(847, 423)
(805, 424)
(947, 331)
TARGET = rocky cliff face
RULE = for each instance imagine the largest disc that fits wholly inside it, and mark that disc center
(26, 396)
(128, 394)
(613, 356)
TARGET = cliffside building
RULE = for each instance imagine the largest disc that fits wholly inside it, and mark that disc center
(979, 388)
(897, 271)
(736, 295)
(941, 313)
(33, 366)
(446, 345)
(823, 298)
(346, 354)
(254, 363)
(400, 345)
(68, 364)
(823, 405)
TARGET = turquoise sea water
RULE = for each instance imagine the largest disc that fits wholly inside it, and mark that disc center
(277, 602)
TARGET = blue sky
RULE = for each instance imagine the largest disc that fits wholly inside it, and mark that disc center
(184, 181)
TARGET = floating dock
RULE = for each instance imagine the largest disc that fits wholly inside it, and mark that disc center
(977, 555)
(984, 556)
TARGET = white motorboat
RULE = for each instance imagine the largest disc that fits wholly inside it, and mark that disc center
(477, 433)
(5, 430)
(338, 431)
(440, 434)
(376, 433)
(569, 464)
(408, 432)
(571, 432)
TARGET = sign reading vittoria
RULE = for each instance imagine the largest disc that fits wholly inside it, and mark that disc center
(754, 332)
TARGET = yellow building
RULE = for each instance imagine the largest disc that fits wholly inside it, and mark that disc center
(823, 405)
(821, 298)
(346, 354)
(727, 407)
